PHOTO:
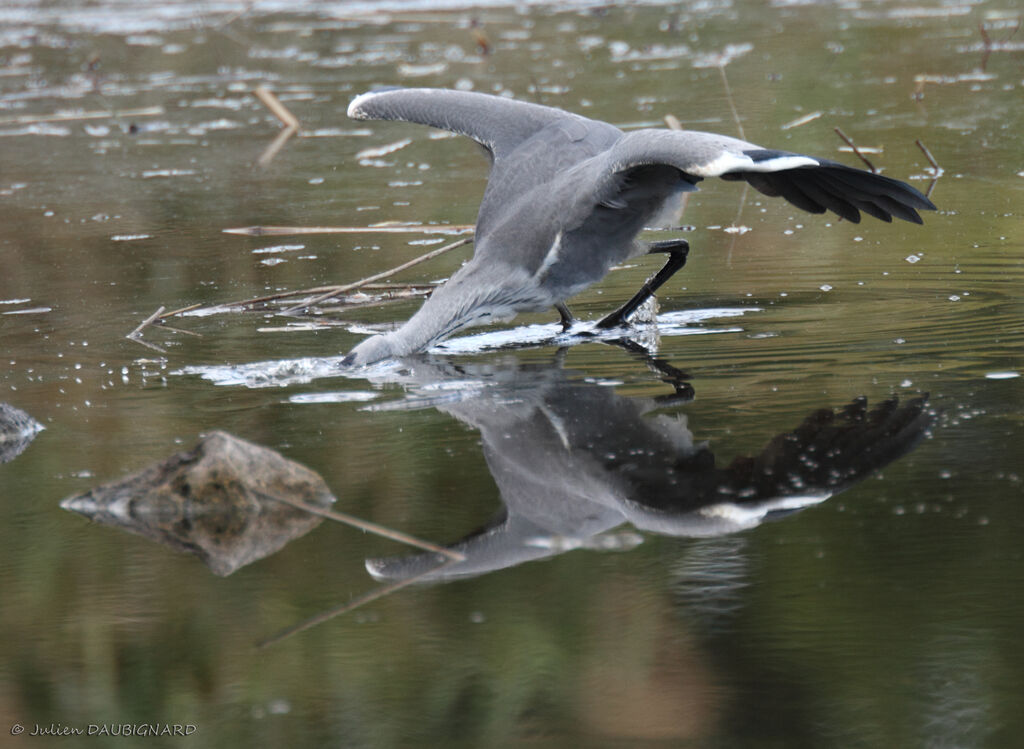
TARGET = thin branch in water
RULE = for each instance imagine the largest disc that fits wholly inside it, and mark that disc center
(673, 123)
(136, 335)
(275, 146)
(857, 151)
(732, 103)
(323, 293)
(180, 330)
(279, 110)
(810, 117)
(25, 119)
(378, 276)
(367, 526)
(147, 344)
(289, 120)
(180, 311)
(739, 128)
(147, 322)
(281, 231)
(937, 170)
(373, 595)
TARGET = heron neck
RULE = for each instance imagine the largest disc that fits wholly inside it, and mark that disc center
(442, 314)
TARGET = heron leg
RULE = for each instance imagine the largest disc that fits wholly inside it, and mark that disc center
(677, 250)
(566, 316)
(683, 391)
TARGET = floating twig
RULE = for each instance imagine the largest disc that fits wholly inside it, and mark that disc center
(320, 294)
(282, 231)
(136, 335)
(27, 119)
(739, 127)
(672, 122)
(279, 110)
(383, 274)
(857, 151)
(289, 120)
(810, 117)
(367, 526)
(936, 169)
(180, 310)
(729, 98)
(275, 146)
(146, 323)
(373, 595)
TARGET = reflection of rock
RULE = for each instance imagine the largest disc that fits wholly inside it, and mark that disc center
(575, 460)
(17, 430)
(218, 501)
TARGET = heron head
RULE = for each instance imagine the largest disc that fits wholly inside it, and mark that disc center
(372, 350)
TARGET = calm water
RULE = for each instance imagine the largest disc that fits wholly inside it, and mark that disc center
(889, 615)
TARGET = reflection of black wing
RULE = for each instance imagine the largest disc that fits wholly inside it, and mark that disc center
(574, 462)
(826, 454)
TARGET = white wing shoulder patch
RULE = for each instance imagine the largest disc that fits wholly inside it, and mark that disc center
(752, 161)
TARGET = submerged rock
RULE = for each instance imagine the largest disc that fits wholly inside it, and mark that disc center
(17, 430)
(224, 501)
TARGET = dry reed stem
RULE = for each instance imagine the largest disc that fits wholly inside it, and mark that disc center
(25, 119)
(282, 231)
(367, 526)
(861, 156)
(275, 146)
(279, 110)
(931, 159)
(378, 276)
(373, 595)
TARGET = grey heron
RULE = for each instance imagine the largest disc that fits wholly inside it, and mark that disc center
(567, 197)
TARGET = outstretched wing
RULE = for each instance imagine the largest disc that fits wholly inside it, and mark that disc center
(809, 183)
(495, 122)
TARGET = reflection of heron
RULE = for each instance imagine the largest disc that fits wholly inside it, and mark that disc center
(567, 197)
(574, 461)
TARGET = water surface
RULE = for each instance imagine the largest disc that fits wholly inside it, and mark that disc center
(886, 615)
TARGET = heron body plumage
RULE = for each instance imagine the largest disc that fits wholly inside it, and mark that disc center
(567, 196)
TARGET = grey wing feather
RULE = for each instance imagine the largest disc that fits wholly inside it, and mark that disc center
(497, 123)
(812, 184)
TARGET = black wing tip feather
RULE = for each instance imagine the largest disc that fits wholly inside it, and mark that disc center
(873, 184)
(844, 190)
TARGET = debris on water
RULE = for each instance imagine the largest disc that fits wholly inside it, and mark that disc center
(368, 154)
(150, 174)
(802, 120)
(274, 249)
(420, 71)
(1008, 375)
(224, 501)
(30, 311)
(337, 396)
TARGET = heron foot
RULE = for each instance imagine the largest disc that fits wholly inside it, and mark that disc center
(566, 316)
(677, 250)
